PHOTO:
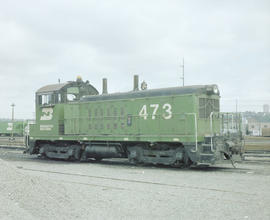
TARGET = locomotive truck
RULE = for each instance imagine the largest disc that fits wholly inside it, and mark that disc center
(178, 126)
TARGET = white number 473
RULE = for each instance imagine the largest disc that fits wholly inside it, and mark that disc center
(167, 114)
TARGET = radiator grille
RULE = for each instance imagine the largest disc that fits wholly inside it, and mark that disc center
(61, 128)
(206, 106)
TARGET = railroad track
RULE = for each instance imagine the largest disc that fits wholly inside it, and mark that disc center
(8, 141)
(129, 181)
(257, 156)
(257, 153)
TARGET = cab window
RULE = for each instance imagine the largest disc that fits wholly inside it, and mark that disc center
(73, 93)
(59, 98)
(46, 99)
(71, 97)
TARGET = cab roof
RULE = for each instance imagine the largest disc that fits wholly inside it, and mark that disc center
(52, 88)
(61, 87)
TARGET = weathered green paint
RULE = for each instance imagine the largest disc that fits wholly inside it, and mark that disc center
(96, 126)
(119, 120)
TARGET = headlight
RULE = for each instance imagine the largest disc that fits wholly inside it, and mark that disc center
(212, 90)
(215, 90)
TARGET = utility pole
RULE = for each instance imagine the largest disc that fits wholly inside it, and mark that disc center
(12, 119)
(183, 72)
(237, 120)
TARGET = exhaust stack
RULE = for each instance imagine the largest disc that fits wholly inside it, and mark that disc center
(136, 83)
(104, 86)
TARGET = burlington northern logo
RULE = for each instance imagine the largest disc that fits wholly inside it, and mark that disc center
(47, 114)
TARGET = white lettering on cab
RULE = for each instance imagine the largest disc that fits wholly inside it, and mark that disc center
(47, 114)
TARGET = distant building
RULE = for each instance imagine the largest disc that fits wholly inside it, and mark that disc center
(266, 108)
(256, 123)
(256, 128)
(266, 132)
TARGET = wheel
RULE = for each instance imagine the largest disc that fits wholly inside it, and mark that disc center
(177, 164)
(98, 159)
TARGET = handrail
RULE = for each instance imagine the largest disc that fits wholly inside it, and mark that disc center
(211, 130)
(196, 132)
(211, 126)
(233, 120)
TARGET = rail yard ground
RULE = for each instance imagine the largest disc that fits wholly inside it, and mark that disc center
(35, 188)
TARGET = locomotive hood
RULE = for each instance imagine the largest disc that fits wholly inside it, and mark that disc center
(196, 89)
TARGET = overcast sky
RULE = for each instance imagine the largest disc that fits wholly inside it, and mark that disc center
(223, 42)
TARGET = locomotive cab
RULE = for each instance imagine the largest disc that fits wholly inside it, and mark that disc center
(50, 101)
(64, 92)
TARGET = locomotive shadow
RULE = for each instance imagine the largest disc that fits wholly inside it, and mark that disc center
(219, 169)
(215, 168)
(125, 163)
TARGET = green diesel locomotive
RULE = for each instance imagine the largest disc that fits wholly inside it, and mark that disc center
(172, 126)
(12, 128)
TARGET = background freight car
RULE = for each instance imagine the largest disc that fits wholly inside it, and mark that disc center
(15, 128)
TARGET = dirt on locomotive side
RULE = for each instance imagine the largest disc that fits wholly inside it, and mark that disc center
(256, 149)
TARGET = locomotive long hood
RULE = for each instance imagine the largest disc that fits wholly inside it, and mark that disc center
(196, 89)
